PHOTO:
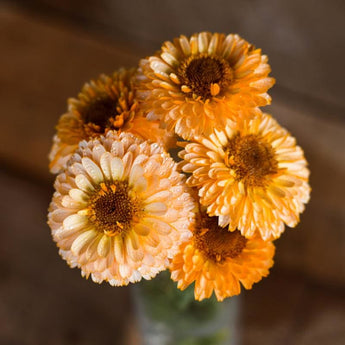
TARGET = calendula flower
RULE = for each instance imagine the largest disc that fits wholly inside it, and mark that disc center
(120, 209)
(219, 260)
(196, 84)
(251, 174)
(107, 103)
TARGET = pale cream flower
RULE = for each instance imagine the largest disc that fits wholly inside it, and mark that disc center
(120, 209)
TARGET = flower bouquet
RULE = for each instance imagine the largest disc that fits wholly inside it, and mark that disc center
(172, 166)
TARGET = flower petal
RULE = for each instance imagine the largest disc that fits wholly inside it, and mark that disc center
(116, 166)
(93, 170)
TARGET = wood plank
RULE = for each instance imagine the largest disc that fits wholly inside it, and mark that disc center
(317, 245)
(321, 317)
(269, 309)
(287, 308)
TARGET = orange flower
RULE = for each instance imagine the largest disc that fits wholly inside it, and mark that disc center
(120, 209)
(219, 260)
(105, 104)
(195, 84)
(251, 174)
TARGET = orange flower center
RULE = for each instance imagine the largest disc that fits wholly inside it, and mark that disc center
(218, 243)
(112, 209)
(251, 159)
(204, 76)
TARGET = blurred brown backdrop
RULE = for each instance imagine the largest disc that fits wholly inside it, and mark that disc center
(49, 48)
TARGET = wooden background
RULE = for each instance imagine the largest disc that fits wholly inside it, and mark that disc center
(49, 48)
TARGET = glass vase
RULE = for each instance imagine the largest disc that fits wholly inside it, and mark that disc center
(168, 316)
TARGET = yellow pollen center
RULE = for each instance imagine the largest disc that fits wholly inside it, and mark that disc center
(218, 243)
(251, 159)
(204, 76)
(113, 209)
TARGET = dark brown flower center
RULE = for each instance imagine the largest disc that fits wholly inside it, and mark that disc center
(251, 159)
(113, 209)
(218, 243)
(204, 75)
(99, 111)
